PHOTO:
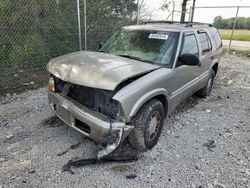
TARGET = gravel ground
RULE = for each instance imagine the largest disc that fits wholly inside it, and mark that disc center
(34, 146)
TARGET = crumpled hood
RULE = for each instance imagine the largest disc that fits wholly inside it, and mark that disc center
(97, 69)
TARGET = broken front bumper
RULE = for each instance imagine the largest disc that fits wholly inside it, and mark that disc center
(90, 123)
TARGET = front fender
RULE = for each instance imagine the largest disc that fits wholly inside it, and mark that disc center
(132, 102)
(146, 97)
(135, 94)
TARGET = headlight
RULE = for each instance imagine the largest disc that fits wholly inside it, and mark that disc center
(51, 84)
(120, 113)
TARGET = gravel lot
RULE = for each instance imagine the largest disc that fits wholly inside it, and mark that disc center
(34, 146)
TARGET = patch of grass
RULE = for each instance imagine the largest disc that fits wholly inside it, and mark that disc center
(240, 34)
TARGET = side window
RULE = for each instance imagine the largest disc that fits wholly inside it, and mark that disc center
(205, 42)
(215, 37)
(190, 45)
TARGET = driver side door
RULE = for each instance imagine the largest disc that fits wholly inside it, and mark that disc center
(185, 77)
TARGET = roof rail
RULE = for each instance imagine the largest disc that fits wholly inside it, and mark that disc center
(160, 21)
(188, 24)
(191, 24)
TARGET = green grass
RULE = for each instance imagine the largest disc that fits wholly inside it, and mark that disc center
(242, 35)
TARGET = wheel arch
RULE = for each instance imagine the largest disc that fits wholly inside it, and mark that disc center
(215, 67)
(160, 94)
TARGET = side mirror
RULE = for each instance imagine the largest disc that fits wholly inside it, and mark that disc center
(101, 44)
(190, 59)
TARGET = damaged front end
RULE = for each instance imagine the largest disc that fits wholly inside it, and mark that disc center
(90, 111)
(81, 90)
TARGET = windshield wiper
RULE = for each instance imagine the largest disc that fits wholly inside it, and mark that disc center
(136, 58)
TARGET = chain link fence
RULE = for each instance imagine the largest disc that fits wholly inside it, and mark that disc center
(105, 17)
(34, 31)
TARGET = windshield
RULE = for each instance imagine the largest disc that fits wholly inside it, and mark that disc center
(147, 46)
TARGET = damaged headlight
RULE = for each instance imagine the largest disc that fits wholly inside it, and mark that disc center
(120, 112)
(51, 84)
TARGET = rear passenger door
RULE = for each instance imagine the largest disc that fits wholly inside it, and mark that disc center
(217, 43)
(206, 56)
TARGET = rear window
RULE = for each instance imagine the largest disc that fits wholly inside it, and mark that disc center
(215, 37)
(205, 42)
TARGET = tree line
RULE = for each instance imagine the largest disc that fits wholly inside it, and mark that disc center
(221, 23)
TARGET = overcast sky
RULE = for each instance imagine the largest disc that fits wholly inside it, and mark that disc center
(201, 15)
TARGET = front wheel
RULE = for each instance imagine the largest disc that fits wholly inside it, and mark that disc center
(206, 90)
(148, 123)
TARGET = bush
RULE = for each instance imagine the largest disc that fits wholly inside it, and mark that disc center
(29, 54)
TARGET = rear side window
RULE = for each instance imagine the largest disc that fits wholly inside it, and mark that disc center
(215, 37)
(190, 45)
(205, 42)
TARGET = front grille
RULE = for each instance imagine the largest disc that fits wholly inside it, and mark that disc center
(83, 95)
(94, 99)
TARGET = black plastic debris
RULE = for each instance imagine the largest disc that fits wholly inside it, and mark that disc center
(123, 154)
(91, 161)
(210, 144)
(31, 171)
(131, 176)
(74, 146)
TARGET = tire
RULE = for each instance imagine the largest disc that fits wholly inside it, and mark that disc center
(206, 90)
(148, 123)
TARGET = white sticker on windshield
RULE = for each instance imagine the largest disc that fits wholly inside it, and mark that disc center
(158, 36)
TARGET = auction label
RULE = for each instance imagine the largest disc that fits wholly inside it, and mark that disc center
(158, 36)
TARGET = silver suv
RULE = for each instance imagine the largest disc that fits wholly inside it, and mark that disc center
(139, 76)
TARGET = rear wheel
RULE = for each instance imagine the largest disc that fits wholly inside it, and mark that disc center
(148, 123)
(206, 90)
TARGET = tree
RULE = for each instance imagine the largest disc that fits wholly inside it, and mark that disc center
(247, 23)
(106, 17)
(219, 22)
(145, 12)
(183, 10)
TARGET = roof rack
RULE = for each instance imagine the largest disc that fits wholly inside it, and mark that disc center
(160, 21)
(191, 24)
(188, 24)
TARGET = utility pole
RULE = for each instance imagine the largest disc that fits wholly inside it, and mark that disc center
(85, 25)
(138, 12)
(79, 25)
(235, 21)
(173, 10)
